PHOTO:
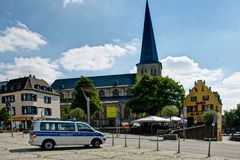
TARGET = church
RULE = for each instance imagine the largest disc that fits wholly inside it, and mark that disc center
(115, 90)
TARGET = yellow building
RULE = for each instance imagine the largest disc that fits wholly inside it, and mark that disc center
(201, 98)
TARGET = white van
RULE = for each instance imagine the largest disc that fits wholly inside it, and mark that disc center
(47, 134)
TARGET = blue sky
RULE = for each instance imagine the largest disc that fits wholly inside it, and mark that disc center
(67, 38)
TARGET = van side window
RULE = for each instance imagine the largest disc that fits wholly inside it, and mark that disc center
(46, 126)
(66, 126)
(83, 127)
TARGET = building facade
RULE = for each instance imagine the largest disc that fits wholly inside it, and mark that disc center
(200, 99)
(115, 90)
(31, 99)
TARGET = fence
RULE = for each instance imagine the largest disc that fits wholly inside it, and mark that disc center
(136, 141)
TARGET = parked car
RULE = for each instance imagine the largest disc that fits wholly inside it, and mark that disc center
(2, 128)
(48, 134)
(235, 137)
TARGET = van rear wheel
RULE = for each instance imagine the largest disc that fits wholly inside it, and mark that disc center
(48, 145)
(96, 143)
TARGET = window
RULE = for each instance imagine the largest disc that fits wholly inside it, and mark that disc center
(43, 88)
(49, 89)
(206, 107)
(13, 111)
(74, 95)
(205, 97)
(194, 99)
(47, 99)
(101, 93)
(48, 126)
(29, 97)
(129, 91)
(115, 92)
(47, 111)
(193, 109)
(53, 126)
(37, 86)
(66, 126)
(61, 95)
(10, 98)
(83, 127)
(29, 110)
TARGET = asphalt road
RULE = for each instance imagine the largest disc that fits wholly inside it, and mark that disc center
(225, 148)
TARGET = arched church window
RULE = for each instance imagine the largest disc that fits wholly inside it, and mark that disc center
(129, 91)
(151, 71)
(154, 72)
(101, 93)
(115, 92)
(74, 95)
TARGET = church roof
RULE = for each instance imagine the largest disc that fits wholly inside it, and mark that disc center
(149, 50)
(98, 81)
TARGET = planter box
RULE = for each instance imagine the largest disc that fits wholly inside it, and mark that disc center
(170, 137)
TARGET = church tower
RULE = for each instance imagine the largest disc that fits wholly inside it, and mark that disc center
(149, 63)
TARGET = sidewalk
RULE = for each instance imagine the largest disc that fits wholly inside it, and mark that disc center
(18, 148)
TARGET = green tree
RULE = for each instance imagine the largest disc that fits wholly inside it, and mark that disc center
(152, 93)
(170, 111)
(232, 119)
(4, 115)
(237, 118)
(66, 112)
(208, 116)
(77, 113)
(229, 119)
(86, 85)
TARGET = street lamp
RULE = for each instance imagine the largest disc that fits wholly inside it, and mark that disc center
(88, 106)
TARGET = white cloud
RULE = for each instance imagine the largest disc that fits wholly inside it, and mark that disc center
(20, 37)
(68, 2)
(187, 71)
(42, 68)
(229, 89)
(93, 58)
(133, 70)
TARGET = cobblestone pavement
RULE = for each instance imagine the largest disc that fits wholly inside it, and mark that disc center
(18, 148)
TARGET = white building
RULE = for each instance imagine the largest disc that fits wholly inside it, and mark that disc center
(31, 99)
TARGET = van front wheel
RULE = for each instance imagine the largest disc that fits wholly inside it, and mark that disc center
(48, 145)
(96, 143)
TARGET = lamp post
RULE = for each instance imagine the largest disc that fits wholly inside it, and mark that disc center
(88, 106)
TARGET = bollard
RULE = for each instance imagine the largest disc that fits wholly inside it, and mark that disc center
(178, 145)
(139, 143)
(157, 144)
(112, 140)
(125, 140)
(22, 134)
(209, 148)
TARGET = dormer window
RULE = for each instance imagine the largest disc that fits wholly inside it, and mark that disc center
(36, 86)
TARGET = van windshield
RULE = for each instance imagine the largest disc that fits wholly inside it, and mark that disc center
(84, 127)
